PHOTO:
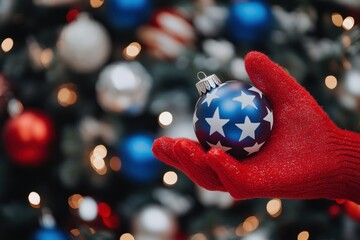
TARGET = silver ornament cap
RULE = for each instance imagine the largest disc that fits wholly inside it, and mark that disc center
(206, 83)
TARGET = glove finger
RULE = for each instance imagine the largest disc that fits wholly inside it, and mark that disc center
(194, 161)
(272, 79)
(163, 149)
(233, 174)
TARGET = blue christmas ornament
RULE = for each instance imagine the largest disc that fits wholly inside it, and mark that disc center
(50, 234)
(234, 116)
(127, 14)
(138, 161)
(249, 21)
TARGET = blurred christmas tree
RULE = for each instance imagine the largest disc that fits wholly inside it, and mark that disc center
(86, 85)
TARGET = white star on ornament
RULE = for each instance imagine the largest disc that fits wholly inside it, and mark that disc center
(210, 96)
(216, 123)
(219, 145)
(245, 100)
(254, 148)
(195, 118)
(254, 89)
(269, 117)
(248, 128)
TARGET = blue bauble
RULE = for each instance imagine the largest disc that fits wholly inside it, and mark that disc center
(234, 116)
(50, 234)
(138, 161)
(127, 14)
(250, 21)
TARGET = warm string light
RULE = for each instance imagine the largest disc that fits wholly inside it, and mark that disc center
(170, 178)
(75, 200)
(34, 199)
(97, 159)
(274, 207)
(96, 3)
(337, 19)
(75, 232)
(346, 23)
(132, 50)
(66, 94)
(249, 225)
(126, 236)
(115, 163)
(330, 82)
(304, 235)
(100, 151)
(7, 44)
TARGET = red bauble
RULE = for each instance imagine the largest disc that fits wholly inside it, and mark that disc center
(352, 209)
(28, 137)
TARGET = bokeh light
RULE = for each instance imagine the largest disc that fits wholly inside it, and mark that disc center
(104, 210)
(274, 207)
(88, 209)
(96, 3)
(304, 235)
(15, 107)
(7, 44)
(251, 224)
(115, 163)
(100, 151)
(126, 236)
(66, 94)
(348, 23)
(34, 199)
(97, 159)
(75, 232)
(75, 200)
(330, 82)
(170, 178)
(337, 19)
(132, 50)
(165, 119)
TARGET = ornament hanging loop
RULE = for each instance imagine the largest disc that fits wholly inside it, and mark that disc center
(201, 75)
(206, 83)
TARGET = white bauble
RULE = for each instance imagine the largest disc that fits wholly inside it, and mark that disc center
(84, 45)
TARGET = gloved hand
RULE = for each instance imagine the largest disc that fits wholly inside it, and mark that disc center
(307, 156)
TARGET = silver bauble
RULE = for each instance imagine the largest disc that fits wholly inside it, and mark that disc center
(154, 222)
(123, 87)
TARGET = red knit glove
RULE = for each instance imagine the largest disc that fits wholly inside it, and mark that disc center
(306, 156)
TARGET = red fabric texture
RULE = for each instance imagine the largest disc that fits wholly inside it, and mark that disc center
(306, 157)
